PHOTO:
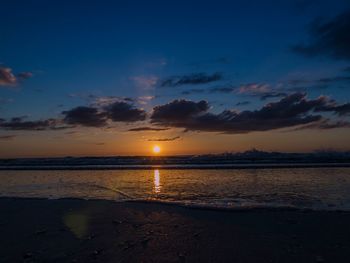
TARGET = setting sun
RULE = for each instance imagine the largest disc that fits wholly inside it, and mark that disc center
(156, 149)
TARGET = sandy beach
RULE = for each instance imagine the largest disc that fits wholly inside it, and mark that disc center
(72, 230)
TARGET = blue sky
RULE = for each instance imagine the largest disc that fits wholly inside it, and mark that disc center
(79, 51)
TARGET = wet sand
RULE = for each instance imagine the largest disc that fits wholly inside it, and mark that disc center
(69, 230)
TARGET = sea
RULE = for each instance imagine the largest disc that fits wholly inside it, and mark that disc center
(241, 187)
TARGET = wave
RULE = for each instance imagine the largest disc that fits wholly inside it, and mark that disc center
(106, 188)
(246, 207)
(268, 201)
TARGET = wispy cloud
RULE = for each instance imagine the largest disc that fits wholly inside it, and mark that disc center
(223, 89)
(254, 88)
(164, 139)
(145, 82)
(101, 101)
(144, 100)
(191, 79)
(325, 124)
(140, 129)
(25, 75)
(192, 91)
(243, 103)
(27, 125)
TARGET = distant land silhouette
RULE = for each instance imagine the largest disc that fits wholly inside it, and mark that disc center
(249, 158)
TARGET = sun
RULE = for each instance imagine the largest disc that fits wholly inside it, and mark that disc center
(156, 149)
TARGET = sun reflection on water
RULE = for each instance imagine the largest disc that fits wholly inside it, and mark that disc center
(157, 187)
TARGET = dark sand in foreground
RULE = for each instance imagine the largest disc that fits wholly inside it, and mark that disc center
(36, 230)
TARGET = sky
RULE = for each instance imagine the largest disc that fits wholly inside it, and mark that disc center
(95, 78)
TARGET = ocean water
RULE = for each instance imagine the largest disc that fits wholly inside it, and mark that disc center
(304, 188)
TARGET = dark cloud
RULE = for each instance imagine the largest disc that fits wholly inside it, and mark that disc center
(20, 124)
(347, 69)
(164, 139)
(178, 111)
(341, 110)
(124, 112)
(85, 116)
(7, 137)
(82, 115)
(192, 79)
(293, 110)
(19, 119)
(243, 103)
(119, 111)
(147, 129)
(329, 38)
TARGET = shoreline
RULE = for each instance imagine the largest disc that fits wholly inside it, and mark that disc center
(200, 207)
(193, 206)
(75, 230)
